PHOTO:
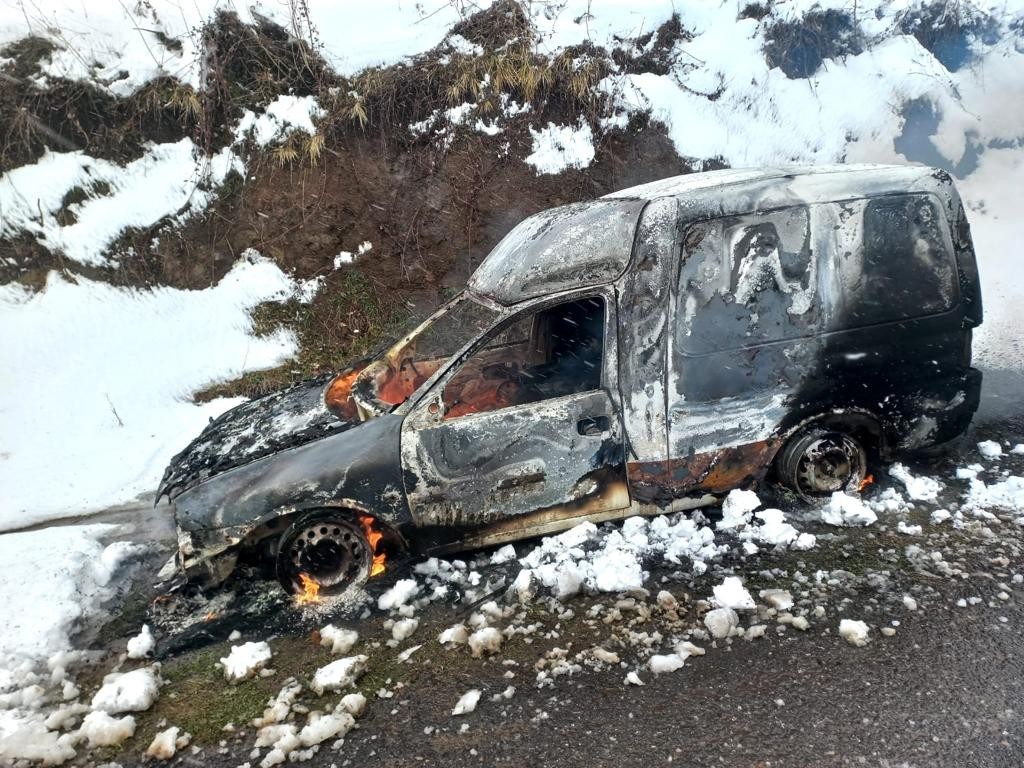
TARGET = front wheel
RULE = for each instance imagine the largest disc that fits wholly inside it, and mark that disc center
(329, 550)
(819, 462)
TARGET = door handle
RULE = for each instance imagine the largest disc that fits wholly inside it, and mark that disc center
(593, 426)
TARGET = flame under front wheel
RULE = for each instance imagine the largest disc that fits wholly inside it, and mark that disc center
(819, 462)
(329, 548)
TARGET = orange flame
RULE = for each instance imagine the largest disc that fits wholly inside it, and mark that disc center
(373, 536)
(310, 590)
(868, 480)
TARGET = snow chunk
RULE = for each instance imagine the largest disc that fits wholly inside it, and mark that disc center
(737, 508)
(668, 663)
(338, 639)
(140, 646)
(403, 628)
(134, 691)
(774, 530)
(843, 509)
(732, 594)
(398, 595)
(353, 703)
(779, 599)
(324, 727)
(918, 488)
(467, 702)
(854, 632)
(245, 660)
(504, 555)
(164, 744)
(33, 741)
(1007, 494)
(990, 449)
(487, 640)
(908, 530)
(559, 147)
(456, 634)
(102, 730)
(339, 674)
(720, 622)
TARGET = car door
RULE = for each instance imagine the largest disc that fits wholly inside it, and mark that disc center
(521, 425)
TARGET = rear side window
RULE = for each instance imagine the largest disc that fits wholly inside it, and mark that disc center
(907, 261)
(747, 280)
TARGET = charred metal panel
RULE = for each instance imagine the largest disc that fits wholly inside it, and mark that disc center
(644, 336)
(716, 471)
(574, 246)
(483, 467)
(361, 464)
(254, 429)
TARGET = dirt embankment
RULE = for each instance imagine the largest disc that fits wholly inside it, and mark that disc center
(432, 204)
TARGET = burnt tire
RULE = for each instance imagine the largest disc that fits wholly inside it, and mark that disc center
(818, 462)
(327, 547)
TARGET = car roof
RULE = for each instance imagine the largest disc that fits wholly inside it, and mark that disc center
(836, 179)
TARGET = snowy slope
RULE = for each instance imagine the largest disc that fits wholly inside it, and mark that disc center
(97, 383)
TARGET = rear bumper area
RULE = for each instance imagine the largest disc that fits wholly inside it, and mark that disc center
(943, 415)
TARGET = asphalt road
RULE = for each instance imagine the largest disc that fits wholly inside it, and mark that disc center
(947, 689)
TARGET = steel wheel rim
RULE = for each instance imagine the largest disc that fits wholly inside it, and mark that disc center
(828, 464)
(332, 552)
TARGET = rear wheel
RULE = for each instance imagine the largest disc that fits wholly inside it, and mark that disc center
(329, 548)
(818, 462)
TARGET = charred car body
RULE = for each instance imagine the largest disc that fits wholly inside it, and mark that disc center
(641, 353)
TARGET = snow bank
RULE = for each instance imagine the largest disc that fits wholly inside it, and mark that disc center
(165, 181)
(125, 362)
(51, 580)
(1006, 494)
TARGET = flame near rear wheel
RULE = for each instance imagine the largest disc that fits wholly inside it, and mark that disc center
(325, 553)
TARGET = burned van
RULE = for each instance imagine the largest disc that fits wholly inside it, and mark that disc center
(641, 353)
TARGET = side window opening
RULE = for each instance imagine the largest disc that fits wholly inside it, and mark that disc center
(551, 353)
(907, 261)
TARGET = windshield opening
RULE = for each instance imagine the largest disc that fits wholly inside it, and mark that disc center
(388, 380)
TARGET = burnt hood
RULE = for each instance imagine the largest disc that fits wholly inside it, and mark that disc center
(256, 428)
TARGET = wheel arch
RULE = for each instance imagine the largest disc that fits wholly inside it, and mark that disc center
(860, 423)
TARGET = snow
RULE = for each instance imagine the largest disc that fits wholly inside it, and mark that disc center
(779, 599)
(720, 622)
(245, 660)
(324, 727)
(165, 181)
(918, 488)
(775, 531)
(403, 591)
(102, 730)
(52, 580)
(454, 635)
(737, 509)
(990, 449)
(854, 632)
(164, 744)
(403, 628)
(557, 148)
(485, 641)
(845, 510)
(134, 691)
(732, 594)
(1006, 494)
(283, 116)
(140, 646)
(659, 665)
(338, 639)
(143, 354)
(339, 674)
(353, 703)
(467, 702)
